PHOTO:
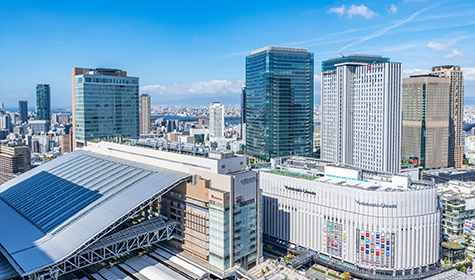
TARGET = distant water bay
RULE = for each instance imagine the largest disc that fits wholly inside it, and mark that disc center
(182, 118)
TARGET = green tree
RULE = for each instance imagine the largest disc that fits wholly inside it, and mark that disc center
(269, 247)
(468, 238)
(346, 275)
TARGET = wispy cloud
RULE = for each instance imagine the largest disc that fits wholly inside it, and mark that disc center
(338, 10)
(410, 72)
(354, 10)
(469, 73)
(323, 38)
(236, 54)
(195, 88)
(361, 10)
(392, 9)
(386, 29)
(22, 95)
(439, 47)
(455, 54)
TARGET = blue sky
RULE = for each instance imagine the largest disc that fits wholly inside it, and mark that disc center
(193, 52)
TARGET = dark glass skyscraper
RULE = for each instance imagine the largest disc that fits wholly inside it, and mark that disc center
(279, 102)
(23, 109)
(43, 102)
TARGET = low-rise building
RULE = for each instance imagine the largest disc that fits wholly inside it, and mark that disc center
(444, 176)
(39, 126)
(14, 158)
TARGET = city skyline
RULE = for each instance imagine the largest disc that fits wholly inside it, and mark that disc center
(196, 54)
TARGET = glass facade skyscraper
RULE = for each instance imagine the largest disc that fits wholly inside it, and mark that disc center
(106, 105)
(43, 102)
(23, 110)
(279, 102)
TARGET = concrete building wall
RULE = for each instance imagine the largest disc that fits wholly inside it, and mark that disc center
(179, 162)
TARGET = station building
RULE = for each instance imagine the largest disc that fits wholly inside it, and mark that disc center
(108, 199)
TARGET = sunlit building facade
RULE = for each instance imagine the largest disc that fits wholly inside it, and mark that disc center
(106, 105)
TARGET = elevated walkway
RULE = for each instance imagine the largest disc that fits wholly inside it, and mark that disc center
(124, 241)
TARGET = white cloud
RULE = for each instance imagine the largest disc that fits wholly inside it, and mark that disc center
(439, 47)
(411, 72)
(340, 11)
(384, 30)
(455, 53)
(317, 78)
(392, 9)
(361, 10)
(468, 73)
(195, 88)
(23, 95)
(317, 83)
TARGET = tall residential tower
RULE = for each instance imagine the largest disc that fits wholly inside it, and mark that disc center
(279, 102)
(361, 112)
(105, 104)
(425, 120)
(43, 102)
(144, 113)
(216, 121)
(455, 74)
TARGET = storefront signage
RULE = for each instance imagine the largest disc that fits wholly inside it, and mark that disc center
(383, 205)
(300, 190)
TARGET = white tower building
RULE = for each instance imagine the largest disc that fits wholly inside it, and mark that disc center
(361, 112)
(216, 121)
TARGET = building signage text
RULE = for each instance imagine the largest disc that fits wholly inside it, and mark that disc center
(300, 190)
(383, 205)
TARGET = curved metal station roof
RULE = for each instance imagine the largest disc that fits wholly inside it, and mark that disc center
(51, 211)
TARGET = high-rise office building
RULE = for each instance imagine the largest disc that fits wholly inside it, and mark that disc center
(144, 113)
(455, 75)
(279, 102)
(425, 120)
(243, 111)
(361, 112)
(23, 110)
(216, 121)
(43, 102)
(105, 104)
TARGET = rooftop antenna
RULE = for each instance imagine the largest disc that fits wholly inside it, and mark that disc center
(342, 55)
